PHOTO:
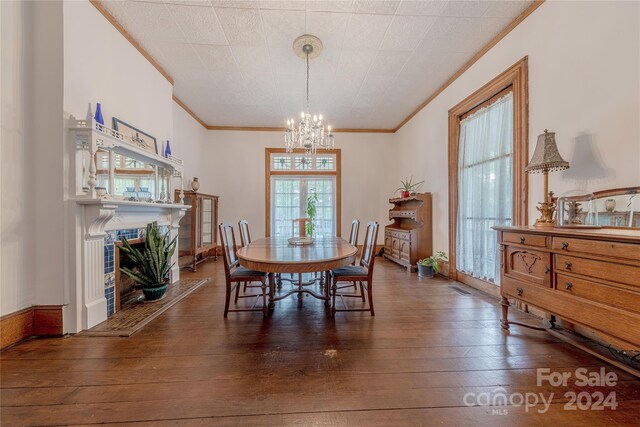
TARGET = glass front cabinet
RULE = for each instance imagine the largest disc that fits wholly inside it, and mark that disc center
(198, 236)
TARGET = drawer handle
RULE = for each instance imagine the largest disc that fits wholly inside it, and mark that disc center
(522, 239)
(567, 265)
(568, 286)
(565, 245)
(520, 291)
(547, 270)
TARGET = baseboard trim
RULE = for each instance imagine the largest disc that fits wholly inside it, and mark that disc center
(37, 320)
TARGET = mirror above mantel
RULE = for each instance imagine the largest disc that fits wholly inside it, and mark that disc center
(613, 208)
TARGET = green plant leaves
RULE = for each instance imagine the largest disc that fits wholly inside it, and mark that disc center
(153, 263)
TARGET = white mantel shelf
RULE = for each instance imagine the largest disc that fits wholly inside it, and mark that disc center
(118, 202)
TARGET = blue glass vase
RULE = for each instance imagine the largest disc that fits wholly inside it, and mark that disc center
(167, 149)
(98, 117)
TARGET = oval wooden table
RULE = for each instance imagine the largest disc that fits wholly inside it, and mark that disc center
(276, 255)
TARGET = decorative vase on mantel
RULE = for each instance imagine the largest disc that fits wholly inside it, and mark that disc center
(98, 117)
(195, 184)
(610, 205)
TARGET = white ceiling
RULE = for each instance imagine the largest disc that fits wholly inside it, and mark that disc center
(233, 63)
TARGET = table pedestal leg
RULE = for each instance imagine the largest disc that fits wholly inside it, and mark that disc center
(272, 289)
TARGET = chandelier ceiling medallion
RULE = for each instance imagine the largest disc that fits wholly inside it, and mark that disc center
(310, 134)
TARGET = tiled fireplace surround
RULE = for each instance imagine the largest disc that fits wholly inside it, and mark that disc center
(102, 223)
(110, 241)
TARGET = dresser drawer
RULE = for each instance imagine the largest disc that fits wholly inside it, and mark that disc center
(398, 234)
(598, 269)
(524, 239)
(599, 292)
(596, 247)
(522, 291)
(528, 265)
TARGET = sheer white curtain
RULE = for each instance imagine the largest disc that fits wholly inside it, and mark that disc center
(485, 187)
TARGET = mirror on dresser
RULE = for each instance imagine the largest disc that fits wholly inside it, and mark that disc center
(614, 208)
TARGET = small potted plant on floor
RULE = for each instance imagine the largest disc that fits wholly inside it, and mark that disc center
(428, 267)
(408, 187)
(153, 263)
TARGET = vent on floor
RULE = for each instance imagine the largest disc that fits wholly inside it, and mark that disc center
(459, 290)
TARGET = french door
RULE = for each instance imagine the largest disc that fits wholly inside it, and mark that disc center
(289, 201)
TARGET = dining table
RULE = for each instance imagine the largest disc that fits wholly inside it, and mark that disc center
(275, 255)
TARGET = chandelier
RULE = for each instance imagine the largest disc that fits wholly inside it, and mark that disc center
(310, 134)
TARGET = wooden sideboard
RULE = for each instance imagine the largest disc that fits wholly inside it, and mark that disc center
(198, 234)
(409, 238)
(589, 277)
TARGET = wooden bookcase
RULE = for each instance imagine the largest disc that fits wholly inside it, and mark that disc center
(198, 233)
(409, 238)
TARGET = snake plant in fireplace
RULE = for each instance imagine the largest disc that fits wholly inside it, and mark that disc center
(152, 264)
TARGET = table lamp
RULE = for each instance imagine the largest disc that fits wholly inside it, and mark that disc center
(546, 158)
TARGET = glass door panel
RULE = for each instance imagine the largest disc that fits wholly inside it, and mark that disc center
(207, 221)
(198, 223)
(289, 202)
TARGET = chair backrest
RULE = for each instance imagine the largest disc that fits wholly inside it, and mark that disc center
(299, 225)
(369, 246)
(228, 240)
(353, 236)
(245, 236)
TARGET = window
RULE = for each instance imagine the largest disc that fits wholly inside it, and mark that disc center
(485, 187)
(290, 179)
(481, 156)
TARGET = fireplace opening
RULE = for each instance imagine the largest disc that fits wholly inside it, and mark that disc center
(125, 287)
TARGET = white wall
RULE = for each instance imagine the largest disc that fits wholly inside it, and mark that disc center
(584, 69)
(188, 143)
(235, 171)
(16, 203)
(100, 65)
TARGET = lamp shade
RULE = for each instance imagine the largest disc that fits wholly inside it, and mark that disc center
(546, 156)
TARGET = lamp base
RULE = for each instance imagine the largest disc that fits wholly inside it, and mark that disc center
(546, 210)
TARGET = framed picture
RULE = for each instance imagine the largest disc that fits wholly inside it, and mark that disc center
(135, 135)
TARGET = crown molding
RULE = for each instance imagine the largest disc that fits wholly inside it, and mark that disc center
(282, 129)
(189, 111)
(528, 11)
(131, 40)
(502, 34)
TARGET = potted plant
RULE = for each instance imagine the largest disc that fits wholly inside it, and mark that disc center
(428, 267)
(408, 186)
(153, 263)
(312, 201)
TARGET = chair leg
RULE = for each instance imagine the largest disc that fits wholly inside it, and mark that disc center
(237, 292)
(355, 286)
(370, 295)
(244, 289)
(227, 298)
(334, 287)
(361, 290)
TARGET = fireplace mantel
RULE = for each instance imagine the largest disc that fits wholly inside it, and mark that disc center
(95, 218)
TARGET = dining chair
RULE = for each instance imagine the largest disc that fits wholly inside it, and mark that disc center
(235, 274)
(245, 239)
(245, 236)
(353, 235)
(363, 273)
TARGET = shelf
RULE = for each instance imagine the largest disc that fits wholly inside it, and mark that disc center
(403, 199)
(110, 139)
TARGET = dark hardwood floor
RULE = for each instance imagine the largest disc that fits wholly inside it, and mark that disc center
(427, 348)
